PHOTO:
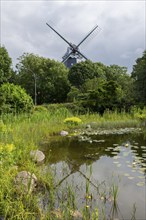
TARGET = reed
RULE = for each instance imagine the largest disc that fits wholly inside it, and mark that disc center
(111, 120)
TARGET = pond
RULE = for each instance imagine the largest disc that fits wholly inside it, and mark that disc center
(105, 170)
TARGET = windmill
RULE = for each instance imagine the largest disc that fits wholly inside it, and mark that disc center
(73, 53)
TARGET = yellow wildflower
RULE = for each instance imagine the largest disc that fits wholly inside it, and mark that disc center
(9, 147)
(73, 120)
(87, 206)
(1, 147)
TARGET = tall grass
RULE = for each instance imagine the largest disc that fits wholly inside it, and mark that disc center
(111, 120)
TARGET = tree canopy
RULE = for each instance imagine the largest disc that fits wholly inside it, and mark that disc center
(89, 85)
(139, 76)
(83, 71)
(5, 66)
(50, 77)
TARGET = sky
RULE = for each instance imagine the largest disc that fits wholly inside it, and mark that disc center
(120, 38)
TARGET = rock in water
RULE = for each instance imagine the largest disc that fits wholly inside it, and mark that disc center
(25, 182)
(88, 126)
(64, 133)
(37, 156)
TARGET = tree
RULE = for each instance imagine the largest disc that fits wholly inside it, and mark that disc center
(139, 76)
(73, 94)
(102, 97)
(82, 71)
(14, 99)
(99, 87)
(49, 76)
(5, 66)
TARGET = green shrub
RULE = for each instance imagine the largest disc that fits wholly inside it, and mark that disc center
(14, 99)
(73, 108)
(40, 108)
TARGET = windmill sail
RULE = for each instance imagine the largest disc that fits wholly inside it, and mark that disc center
(73, 53)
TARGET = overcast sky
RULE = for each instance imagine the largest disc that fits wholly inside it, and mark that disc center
(120, 41)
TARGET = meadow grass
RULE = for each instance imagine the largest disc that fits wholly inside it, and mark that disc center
(112, 120)
(25, 132)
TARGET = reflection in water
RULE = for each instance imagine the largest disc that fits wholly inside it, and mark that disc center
(121, 156)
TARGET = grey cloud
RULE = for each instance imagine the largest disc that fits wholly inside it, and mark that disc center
(121, 40)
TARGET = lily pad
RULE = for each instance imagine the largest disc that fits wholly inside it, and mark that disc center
(140, 184)
(107, 149)
(110, 148)
(117, 148)
(136, 147)
(114, 153)
(129, 165)
(116, 157)
(134, 151)
(142, 169)
(143, 164)
(119, 165)
(116, 162)
(125, 154)
(131, 177)
(138, 158)
(141, 177)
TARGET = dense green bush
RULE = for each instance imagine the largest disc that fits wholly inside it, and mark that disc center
(40, 108)
(14, 99)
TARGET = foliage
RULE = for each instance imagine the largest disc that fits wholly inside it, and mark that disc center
(5, 66)
(40, 108)
(82, 71)
(139, 76)
(140, 114)
(14, 99)
(6, 152)
(87, 86)
(73, 121)
(49, 76)
(105, 96)
(72, 107)
(73, 94)
(108, 87)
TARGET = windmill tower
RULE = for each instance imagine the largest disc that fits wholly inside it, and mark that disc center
(73, 53)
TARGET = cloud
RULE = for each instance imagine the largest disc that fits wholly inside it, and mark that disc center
(121, 40)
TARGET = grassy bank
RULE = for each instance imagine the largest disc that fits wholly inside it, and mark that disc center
(23, 133)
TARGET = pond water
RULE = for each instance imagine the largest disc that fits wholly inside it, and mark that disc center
(97, 165)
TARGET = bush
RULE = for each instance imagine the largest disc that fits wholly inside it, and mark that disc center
(14, 99)
(73, 107)
(40, 108)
